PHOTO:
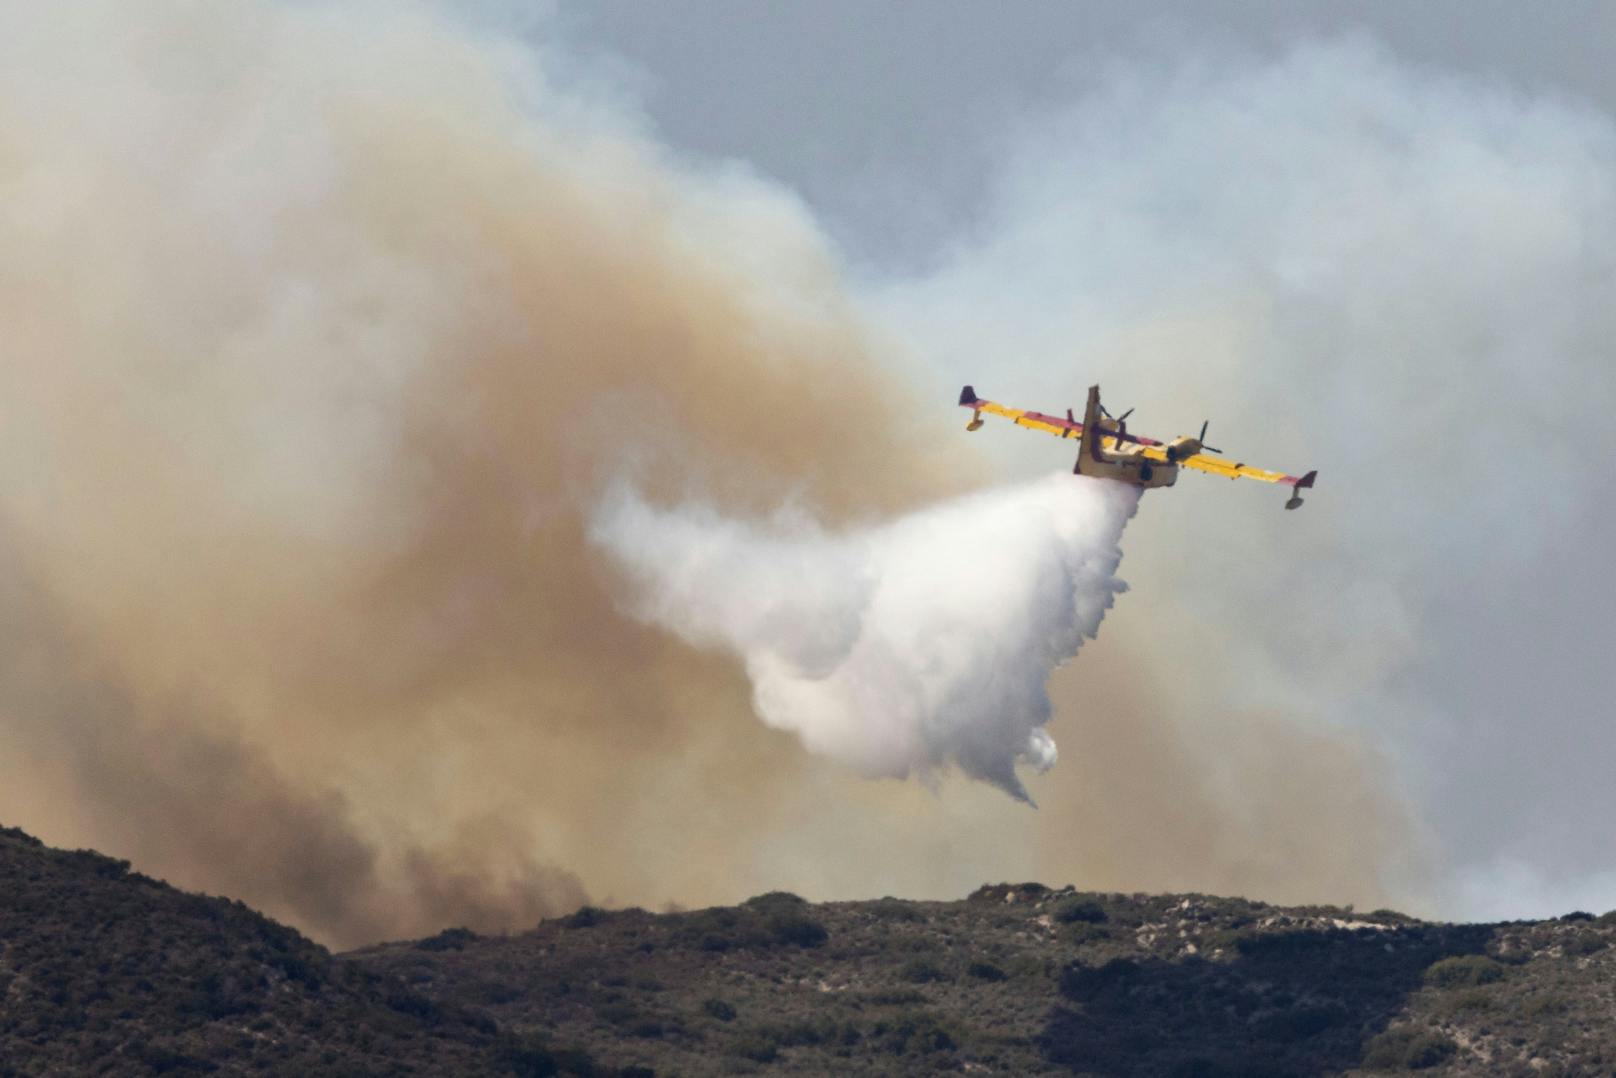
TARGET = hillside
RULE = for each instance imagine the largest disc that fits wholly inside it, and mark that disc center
(1025, 980)
(105, 971)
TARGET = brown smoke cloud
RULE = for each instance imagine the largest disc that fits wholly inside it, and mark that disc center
(323, 328)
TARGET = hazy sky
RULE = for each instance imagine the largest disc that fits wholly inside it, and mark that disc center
(886, 116)
(915, 133)
(328, 325)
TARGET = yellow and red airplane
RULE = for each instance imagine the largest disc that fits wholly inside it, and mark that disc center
(1116, 454)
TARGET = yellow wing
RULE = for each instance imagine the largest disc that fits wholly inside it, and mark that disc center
(1032, 420)
(1066, 428)
(1204, 462)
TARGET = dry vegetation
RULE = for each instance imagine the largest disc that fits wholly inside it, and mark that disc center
(105, 971)
(1025, 980)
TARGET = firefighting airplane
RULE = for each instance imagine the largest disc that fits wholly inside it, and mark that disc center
(1116, 454)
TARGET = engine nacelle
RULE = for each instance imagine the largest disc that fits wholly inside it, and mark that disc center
(1181, 447)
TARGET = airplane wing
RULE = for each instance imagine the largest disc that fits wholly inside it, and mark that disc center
(1154, 450)
(1205, 462)
(1049, 424)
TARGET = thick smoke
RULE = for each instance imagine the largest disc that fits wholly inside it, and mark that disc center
(901, 648)
(326, 326)
(322, 323)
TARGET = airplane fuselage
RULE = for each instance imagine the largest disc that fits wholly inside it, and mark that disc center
(1123, 460)
(1128, 464)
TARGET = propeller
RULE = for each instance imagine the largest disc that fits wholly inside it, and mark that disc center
(1120, 420)
(1202, 439)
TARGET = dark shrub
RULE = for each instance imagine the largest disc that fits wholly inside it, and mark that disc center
(788, 926)
(755, 1046)
(1468, 1000)
(531, 1057)
(297, 969)
(165, 1061)
(771, 900)
(1295, 1023)
(719, 1010)
(1407, 1048)
(1080, 932)
(892, 997)
(1085, 910)
(1463, 971)
(722, 929)
(985, 971)
(586, 917)
(1544, 1004)
(1084, 983)
(914, 1031)
(796, 1034)
(620, 1013)
(1578, 915)
(921, 971)
(406, 1002)
(493, 993)
(528, 1057)
(450, 939)
(1584, 943)
(1221, 939)
(892, 909)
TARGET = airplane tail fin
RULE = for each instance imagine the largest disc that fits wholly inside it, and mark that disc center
(967, 397)
(1091, 433)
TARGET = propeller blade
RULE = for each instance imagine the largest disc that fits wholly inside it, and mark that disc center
(1124, 415)
(1202, 439)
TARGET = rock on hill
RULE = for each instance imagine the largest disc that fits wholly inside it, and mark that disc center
(105, 971)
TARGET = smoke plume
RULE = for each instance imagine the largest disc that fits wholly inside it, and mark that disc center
(901, 648)
(327, 329)
(322, 324)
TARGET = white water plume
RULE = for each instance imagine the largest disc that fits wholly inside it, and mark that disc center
(899, 648)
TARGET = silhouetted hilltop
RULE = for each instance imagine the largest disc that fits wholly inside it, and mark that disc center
(106, 971)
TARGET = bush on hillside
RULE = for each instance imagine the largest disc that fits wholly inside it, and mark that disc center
(1463, 971)
(1407, 1048)
(1086, 910)
(450, 939)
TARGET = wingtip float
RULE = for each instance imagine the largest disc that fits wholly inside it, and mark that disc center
(1130, 458)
